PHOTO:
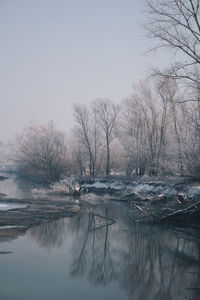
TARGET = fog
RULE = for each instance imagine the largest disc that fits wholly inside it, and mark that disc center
(57, 53)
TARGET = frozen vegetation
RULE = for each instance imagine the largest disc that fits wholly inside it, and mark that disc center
(167, 188)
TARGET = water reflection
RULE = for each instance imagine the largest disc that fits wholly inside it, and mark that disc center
(146, 261)
(49, 235)
(92, 256)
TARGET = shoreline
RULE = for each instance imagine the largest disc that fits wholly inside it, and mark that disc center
(173, 201)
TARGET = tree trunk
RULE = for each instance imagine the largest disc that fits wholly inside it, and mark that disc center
(108, 159)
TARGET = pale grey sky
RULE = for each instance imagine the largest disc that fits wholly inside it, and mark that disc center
(54, 53)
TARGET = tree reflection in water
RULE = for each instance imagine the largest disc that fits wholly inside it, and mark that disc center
(95, 247)
(49, 235)
(147, 261)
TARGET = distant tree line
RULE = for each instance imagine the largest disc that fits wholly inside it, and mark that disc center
(155, 131)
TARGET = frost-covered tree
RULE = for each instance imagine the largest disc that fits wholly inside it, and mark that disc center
(41, 153)
(145, 129)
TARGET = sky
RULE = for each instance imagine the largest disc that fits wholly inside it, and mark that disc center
(54, 53)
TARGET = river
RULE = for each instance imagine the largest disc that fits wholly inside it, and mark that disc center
(99, 254)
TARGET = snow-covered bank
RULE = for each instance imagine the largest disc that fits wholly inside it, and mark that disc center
(174, 200)
(141, 187)
(168, 187)
(170, 200)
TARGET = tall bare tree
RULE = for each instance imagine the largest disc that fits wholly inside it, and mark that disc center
(140, 130)
(107, 113)
(88, 134)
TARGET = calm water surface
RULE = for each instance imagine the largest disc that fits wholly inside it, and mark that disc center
(100, 254)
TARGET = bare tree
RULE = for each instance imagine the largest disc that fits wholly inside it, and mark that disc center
(107, 113)
(168, 91)
(41, 153)
(134, 135)
(175, 24)
(88, 135)
(191, 135)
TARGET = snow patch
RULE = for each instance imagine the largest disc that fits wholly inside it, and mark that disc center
(169, 191)
(107, 185)
(193, 191)
(143, 188)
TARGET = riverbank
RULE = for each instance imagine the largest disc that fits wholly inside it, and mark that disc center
(151, 200)
(34, 212)
(172, 200)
